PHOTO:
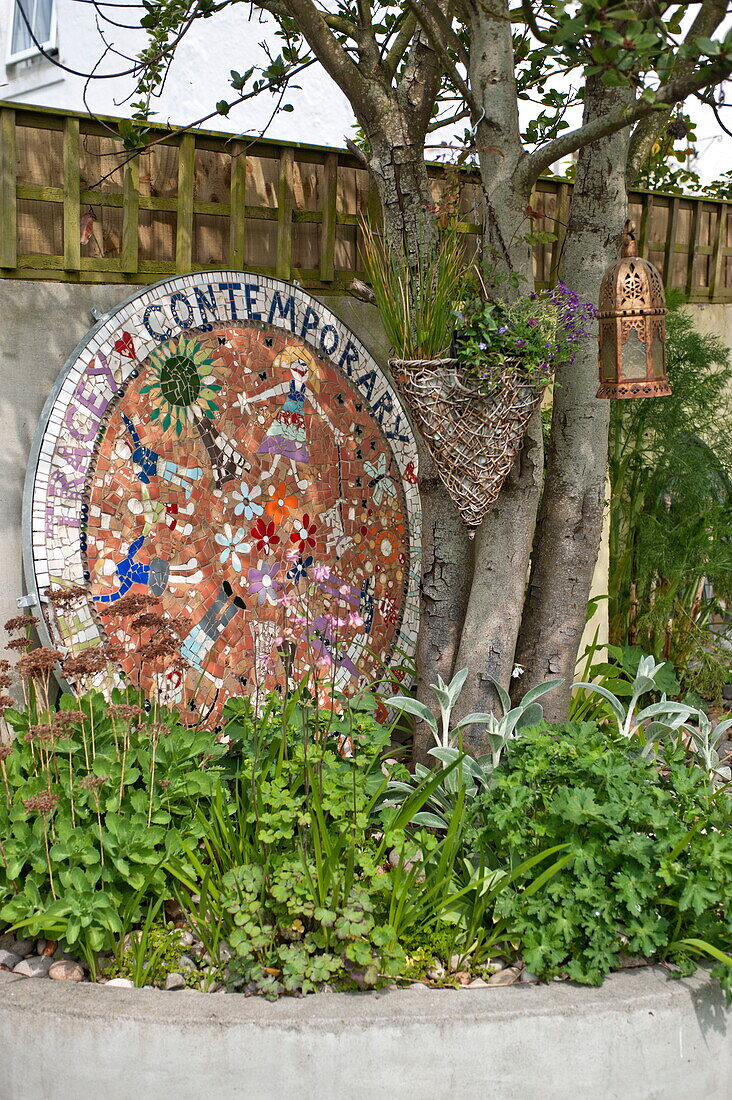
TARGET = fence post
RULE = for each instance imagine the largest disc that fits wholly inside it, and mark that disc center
(72, 188)
(184, 226)
(328, 225)
(8, 199)
(284, 215)
(237, 217)
(130, 215)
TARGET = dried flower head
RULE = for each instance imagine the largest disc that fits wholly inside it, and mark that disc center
(64, 597)
(20, 622)
(69, 718)
(126, 712)
(42, 803)
(91, 782)
(39, 663)
(113, 652)
(5, 703)
(87, 663)
(150, 620)
(5, 680)
(5, 666)
(132, 603)
(153, 651)
(18, 643)
(5, 751)
(158, 730)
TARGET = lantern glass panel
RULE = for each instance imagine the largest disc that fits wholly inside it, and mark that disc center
(634, 357)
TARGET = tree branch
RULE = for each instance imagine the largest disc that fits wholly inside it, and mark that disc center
(668, 94)
(434, 31)
(400, 45)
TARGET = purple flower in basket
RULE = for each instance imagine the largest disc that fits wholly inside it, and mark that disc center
(520, 343)
(531, 322)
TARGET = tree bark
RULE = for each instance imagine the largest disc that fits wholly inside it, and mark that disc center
(570, 519)
(503, 542)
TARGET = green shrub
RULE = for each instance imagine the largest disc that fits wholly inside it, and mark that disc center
(651, 853)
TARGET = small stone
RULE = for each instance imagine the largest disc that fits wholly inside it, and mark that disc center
(436, 971)
(225, 952)
(64, 970)
(508, 976)
(630, 962)
(527, 976)
(175, 981)
(187, 939)
(37, 966)
(9, 959)
(477, 983)
(41, 947)
(7, 942)
(120, 983)
(418, 985)
(23, 947)
(498, 963)
(186, 963)
(454, 963)
(462, 976)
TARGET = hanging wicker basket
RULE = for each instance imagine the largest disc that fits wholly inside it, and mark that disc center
(472, 434)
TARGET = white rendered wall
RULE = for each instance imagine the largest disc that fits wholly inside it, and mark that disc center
(198, 79)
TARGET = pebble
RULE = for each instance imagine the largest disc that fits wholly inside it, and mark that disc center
(23, 947)
(508, 976)
(187, 938)
(477, 983)
(175, 981)
(65, 970)
(37, 966)
(454, 963)
(418, 985)
(435, 972)
(9, 958)
(527, 976)
(121, 983)
(186, 963)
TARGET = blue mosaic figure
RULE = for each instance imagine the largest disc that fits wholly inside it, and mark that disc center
(157, 575)
(149, 464)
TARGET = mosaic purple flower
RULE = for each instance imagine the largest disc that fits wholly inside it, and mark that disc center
(262, 583)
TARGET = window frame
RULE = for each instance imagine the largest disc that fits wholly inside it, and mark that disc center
(32, 50)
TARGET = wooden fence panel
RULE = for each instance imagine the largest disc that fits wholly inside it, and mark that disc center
(204, 200)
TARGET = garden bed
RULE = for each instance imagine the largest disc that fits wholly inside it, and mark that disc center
(639, 1035)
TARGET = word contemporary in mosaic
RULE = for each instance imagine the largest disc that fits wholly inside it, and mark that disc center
(225, 446)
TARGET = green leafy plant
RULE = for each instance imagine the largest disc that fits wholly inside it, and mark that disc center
(671, 513)
(529, 336)
(463, 772)
(93, 799)
(650, 854)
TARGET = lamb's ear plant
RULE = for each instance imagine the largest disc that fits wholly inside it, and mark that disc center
(467, 773)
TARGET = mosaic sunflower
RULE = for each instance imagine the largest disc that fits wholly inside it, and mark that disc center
(182, 385)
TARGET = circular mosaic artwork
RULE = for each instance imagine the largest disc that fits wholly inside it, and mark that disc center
(224, 446)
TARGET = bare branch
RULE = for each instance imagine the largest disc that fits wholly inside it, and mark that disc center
(400, 45)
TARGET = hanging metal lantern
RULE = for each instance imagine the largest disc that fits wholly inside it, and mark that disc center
(632, 329)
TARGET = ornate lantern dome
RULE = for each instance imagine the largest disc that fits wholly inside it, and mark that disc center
(632, 326)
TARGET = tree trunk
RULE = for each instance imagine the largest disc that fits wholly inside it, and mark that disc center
(570, 519)
(397, 166)
(503, 542)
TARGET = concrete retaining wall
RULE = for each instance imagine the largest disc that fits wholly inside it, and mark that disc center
(641, 1036)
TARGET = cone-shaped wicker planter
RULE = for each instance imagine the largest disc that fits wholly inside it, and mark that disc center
(472, 434)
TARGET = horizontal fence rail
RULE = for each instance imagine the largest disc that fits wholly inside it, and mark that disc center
(74, 206)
